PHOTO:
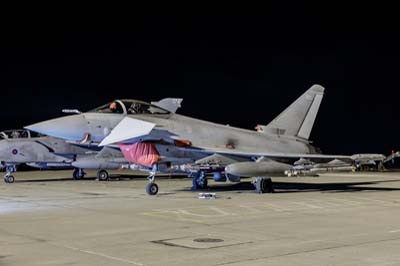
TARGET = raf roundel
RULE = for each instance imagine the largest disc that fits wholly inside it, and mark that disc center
(14, 151)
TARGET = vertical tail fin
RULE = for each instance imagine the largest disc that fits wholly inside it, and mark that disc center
(298, 119)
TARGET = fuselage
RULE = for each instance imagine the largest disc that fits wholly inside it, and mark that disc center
(99, 123)
(36, 150)
(204, 134)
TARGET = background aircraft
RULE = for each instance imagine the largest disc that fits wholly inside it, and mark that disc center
(40, 152)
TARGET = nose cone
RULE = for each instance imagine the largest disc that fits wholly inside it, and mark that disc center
(4, 148)
(73, 127)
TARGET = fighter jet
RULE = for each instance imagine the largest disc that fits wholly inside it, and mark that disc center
(307, 167)
(149, 135)
(361, 161)
(41, 152)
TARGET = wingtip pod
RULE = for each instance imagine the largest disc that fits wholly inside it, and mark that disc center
(128, 128)
(316, 88)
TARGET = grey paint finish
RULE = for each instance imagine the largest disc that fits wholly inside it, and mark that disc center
(298, 119)
(43, 149)
(285, 138)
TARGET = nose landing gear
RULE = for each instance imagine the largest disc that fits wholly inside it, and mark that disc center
(9, 178)
(152, 187)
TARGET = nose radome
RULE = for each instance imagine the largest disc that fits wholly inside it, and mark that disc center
(71, 127)
(3, 146)
(5, 151)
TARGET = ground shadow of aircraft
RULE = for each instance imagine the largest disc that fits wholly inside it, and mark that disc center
(279, 187)
(113, 177)
(55, 179)
(297, 187)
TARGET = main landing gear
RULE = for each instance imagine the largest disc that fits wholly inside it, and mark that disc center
(263, 185)
(199, 180)
(78, 174)
(102, 175)
(9, 178)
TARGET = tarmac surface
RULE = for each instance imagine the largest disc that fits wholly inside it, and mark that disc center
(334, 219)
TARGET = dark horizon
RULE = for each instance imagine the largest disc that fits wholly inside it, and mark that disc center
(237, 70)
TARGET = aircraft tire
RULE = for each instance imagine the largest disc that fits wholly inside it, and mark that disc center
(267, 187)
(102, 175)
(9, 179)
(152, 189)
(264, 185)
(76, 175)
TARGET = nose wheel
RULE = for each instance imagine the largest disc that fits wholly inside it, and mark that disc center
(152, 187)
(9, 178)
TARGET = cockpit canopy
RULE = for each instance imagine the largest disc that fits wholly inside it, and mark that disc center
(130, 107)
(15, 134)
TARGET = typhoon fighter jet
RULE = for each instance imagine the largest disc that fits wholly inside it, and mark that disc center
(154, 137)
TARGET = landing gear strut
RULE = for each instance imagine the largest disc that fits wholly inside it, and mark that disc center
(9, 178)
(199, 180)
(152, 188)
(102, 175)
(263, 185)
(78, 174)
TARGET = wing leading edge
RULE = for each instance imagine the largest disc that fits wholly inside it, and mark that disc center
(270, 155)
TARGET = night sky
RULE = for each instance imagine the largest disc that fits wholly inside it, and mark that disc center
(237, 70)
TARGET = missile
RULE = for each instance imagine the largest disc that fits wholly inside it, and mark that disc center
(333, 169)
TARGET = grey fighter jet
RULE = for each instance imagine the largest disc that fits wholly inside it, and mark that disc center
(18, 147)
(40, 152)
(149, 134)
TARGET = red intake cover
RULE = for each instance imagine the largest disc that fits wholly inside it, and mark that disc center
(142, 153)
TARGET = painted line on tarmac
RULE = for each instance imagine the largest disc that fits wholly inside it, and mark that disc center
(104, 255)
